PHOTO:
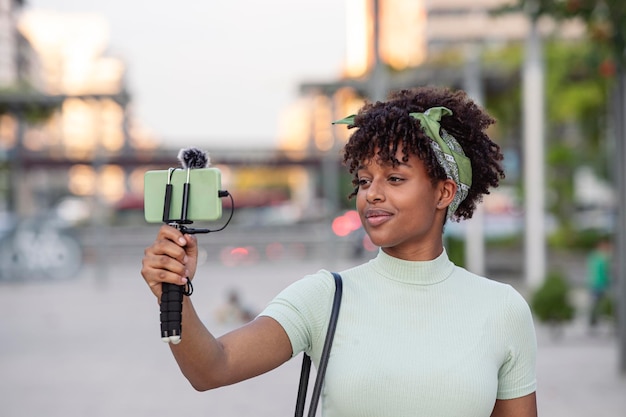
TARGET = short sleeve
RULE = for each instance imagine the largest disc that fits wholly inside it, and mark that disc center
(303, 310)
(517, 374)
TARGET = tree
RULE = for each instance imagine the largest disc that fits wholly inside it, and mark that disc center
(576, 97)
(605, 21)
(551, 302)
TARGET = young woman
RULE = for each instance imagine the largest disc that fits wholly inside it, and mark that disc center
(416, 335)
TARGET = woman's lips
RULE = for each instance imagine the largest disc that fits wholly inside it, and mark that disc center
(377, 217)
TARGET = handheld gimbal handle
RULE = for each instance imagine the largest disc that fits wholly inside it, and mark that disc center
(171, 312)
(172, 300)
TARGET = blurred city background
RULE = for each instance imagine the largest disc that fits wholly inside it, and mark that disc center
(75, 144)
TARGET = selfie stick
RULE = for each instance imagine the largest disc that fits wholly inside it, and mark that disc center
(172, 296)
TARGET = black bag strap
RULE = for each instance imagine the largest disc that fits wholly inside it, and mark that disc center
(306, 360)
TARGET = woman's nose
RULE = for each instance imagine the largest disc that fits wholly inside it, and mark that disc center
(374, 193)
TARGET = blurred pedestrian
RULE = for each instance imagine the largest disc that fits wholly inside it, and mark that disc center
(599, 279)
(416, 335)
(233, 311)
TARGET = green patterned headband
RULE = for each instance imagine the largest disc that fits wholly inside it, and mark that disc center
(448, 152)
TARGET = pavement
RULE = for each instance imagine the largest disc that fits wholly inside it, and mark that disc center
(89, 346)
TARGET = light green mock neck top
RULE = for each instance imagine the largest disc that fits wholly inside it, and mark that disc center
(413, 272)
(413, 339)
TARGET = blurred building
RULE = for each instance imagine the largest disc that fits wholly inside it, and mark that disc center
(459, 21)
(67, 130)
(395, 44)
(66, 127)
(18, 69)
(17, 59)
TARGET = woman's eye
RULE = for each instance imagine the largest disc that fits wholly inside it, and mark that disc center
(363, 182)
(395, 179)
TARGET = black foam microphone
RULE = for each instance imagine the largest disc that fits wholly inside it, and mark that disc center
(172, 296)
(193, 158)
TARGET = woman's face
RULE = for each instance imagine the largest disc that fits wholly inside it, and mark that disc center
(401, 209)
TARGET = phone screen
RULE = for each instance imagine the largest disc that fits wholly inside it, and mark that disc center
(204, 203)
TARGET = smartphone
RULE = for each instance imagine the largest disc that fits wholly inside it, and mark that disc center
(204, 185)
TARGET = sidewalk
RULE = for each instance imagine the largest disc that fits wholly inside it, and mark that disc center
(578, 373)
(90, 347)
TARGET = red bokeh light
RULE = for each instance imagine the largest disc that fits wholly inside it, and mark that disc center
(347, 223)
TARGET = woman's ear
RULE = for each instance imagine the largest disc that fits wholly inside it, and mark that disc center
(447, 191)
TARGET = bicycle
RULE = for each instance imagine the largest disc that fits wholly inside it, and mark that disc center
(40, 248)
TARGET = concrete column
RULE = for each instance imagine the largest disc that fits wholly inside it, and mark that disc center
(474, 231)
(534, 159)
(619, 249)
(379, 78)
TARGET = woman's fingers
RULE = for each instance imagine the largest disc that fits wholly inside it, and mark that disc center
(165, 260)
(191, 252)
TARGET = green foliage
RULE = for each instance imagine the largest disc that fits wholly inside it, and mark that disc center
(345, 189)
(455, 248)
(605, 20)
(551, 303)
(505, 103)
(573, 74)
(23, 99)
(606, 307)
(583, 240)
(577, 93)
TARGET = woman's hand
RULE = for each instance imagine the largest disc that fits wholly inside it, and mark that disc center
(243, 353)
(172, 258)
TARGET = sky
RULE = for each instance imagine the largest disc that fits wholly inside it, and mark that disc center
(218, 73)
